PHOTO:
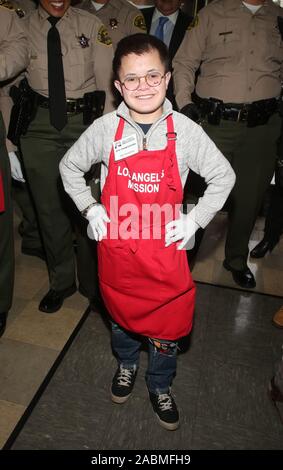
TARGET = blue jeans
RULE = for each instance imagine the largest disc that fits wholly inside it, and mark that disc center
(162, 357)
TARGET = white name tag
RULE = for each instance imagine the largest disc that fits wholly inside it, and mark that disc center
(125, 147)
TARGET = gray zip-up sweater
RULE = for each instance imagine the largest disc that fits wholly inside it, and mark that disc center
(194, 151)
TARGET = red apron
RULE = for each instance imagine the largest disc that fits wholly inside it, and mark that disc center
(147, 288)
(2, 200)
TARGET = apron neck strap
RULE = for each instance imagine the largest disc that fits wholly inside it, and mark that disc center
(171, 134)
(120, 128)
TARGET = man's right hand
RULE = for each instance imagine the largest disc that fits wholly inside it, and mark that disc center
(191, 111)
(97, 218)
(16, 169)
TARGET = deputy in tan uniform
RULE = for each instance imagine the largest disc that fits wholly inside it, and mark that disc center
(13, 58)
(119, 16)
(238, 47)
(28, 228)
(86, 58)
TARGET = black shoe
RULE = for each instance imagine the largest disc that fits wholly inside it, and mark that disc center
(261, 249)
(166, 410)
(243, 277)
(38, 252)
(3, 320)
(53, 300)
(122, 384)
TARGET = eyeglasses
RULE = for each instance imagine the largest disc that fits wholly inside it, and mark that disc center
(152, 79)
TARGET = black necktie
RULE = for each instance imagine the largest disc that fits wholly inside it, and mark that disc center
(56, 81)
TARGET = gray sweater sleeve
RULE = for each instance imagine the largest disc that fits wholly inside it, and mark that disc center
(195, 150)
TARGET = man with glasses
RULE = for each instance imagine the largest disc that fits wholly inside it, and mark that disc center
(146, 150)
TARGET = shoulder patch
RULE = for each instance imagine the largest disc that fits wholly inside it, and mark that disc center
(139, 22)
(194, 23)
(5, 4)
(103, 36)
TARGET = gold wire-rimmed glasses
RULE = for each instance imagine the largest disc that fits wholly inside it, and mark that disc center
(152, 79)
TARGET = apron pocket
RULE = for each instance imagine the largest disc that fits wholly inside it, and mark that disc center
(175, 274)
(113, 264)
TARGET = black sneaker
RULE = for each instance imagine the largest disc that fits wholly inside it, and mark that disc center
(166, 410)
(122, 384)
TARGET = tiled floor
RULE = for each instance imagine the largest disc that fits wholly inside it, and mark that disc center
(220, 386)
(32, 340)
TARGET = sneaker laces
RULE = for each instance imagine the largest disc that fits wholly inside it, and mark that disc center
(125, 376)
(165, 401)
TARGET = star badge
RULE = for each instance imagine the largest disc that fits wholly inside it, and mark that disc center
(83, 41)
(113, 22)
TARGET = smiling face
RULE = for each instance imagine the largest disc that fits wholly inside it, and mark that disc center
(146, 102)
(55, 7)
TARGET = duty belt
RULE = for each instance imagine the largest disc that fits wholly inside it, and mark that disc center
(255, 113)
(74, 106)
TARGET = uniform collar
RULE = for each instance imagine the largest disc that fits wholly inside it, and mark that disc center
(236, 4)
(43, 14)
(92, 6)
(157, 14)
(266, 4)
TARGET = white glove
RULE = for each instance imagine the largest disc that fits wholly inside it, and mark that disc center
(16, 169)
(183, 229)
(97, 216)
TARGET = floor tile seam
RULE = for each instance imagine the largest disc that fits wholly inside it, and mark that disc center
(238, 289)
(8, 338)
(45, 381)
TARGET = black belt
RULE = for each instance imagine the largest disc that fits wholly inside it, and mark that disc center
(74, 106)
(234, 111)
(240, 112)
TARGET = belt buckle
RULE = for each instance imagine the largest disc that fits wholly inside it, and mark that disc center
(74, 106)
(242, 114)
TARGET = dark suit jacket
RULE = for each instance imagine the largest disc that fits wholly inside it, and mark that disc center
(179, 30)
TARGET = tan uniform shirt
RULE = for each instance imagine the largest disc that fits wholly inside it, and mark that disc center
(86, 49)
(13, 45)
(119, 16)
(22, 7)
(240, 54)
